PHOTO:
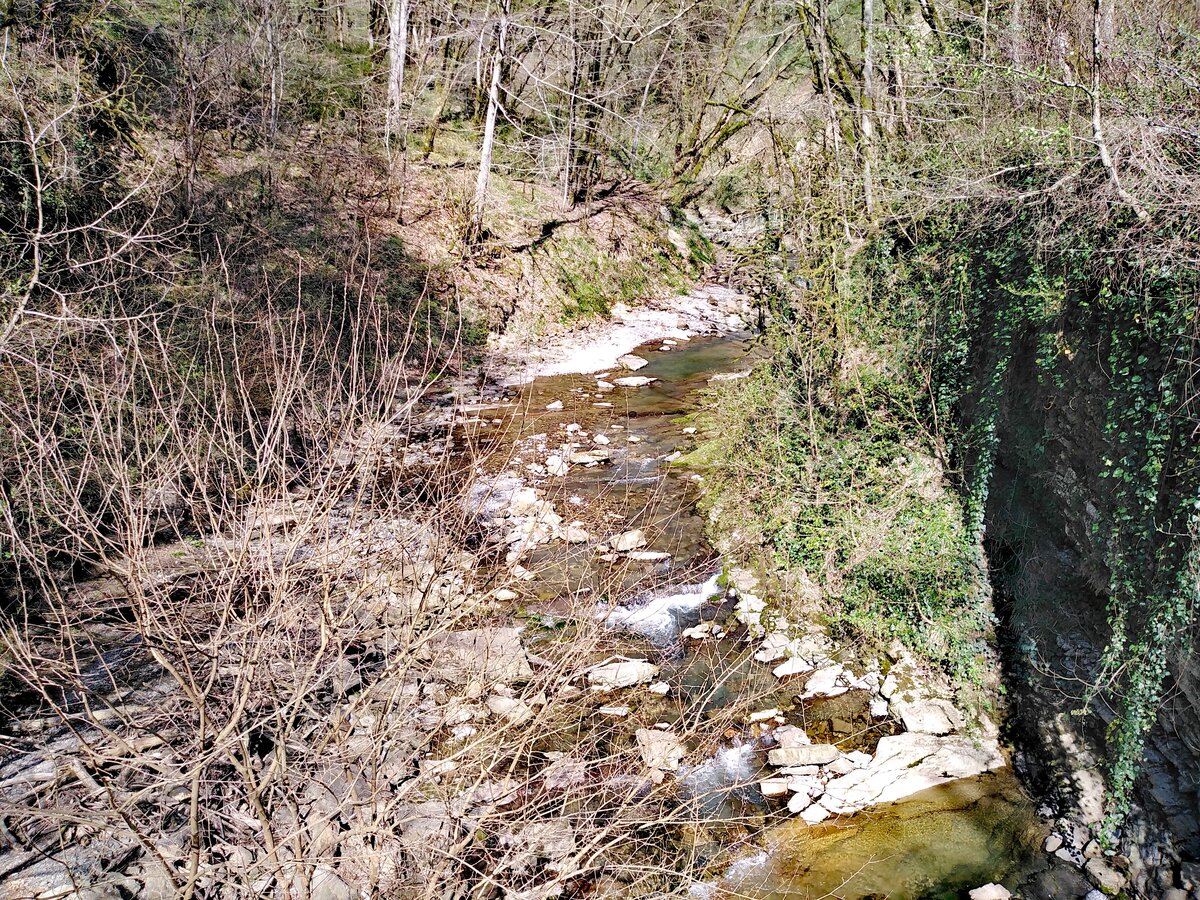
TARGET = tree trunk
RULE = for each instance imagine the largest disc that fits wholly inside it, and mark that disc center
(489, 128)
(867, 103)
(397, 53)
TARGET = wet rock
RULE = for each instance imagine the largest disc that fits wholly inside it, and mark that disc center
(621, 673)
(648, 556)
(589, 457)
(813, 755)
(632, 362)
(991, 891)
(661, 752)
(629, 540)
(634, 381)
(488, 655)
(1104, 876)
(1069, 855)
(907, 763)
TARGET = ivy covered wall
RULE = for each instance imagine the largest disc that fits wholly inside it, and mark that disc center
(1072, 361)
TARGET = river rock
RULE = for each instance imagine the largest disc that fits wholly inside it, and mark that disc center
(799, 802)
(554, 405)
(557, 466)
(328, 885)
(814, 814)
(905, 764)
(634, 381)
(576, 534)
(774, 787)
(589, 457)
(791, 668)
(787, 736)
(621, 673)
(648, 556)
(632, 362)
(1104, 876)
(1053, 842)
(487, 655)
(629, 540)
(813, 755)
(929, 716)
(514, 709)
(524, 502)
(808, 785)
(990, 891)
(826, 682)
(661, 752)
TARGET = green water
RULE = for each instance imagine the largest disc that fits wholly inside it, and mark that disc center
(938, 844)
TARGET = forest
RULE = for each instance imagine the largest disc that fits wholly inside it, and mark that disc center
(599, 448)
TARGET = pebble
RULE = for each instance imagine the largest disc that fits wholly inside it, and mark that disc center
(554, 406)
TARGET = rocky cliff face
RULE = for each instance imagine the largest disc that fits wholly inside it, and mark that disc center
(1048, 562)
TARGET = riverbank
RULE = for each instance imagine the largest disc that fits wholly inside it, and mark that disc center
(547, 679)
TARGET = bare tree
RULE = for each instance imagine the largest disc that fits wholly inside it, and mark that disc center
(479, 204)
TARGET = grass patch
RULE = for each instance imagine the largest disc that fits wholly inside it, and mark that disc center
(821, 463)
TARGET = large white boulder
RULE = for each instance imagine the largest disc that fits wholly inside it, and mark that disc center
(906, 764)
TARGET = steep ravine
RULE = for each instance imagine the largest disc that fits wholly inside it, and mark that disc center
(1046, 499)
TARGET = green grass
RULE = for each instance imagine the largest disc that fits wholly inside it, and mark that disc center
(820, 460)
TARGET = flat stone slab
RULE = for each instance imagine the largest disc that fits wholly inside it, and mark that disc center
(489, 655)
(814, 755)
(621, 673)
(906, 764)
(929, 716)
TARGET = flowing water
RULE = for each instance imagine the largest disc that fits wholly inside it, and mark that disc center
(940, 843)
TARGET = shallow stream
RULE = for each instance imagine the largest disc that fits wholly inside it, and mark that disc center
(938, 844)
